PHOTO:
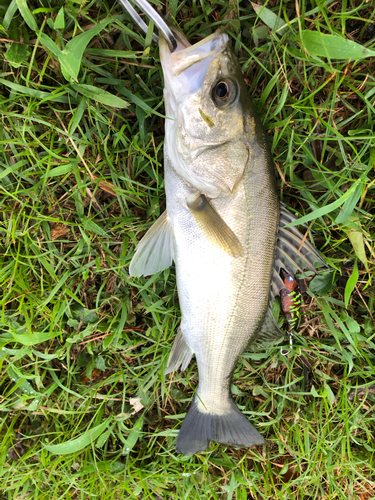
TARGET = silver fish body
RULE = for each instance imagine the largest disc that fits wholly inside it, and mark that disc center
(221, 228)
(223, 298)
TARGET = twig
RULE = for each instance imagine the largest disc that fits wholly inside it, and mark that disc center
(281, 175)
(95, 338)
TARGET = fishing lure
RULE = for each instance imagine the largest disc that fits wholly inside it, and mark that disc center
(290, 299)
(290, 305)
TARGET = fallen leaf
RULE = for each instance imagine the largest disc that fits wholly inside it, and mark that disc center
(136, 404)
(108, 187)
(59, 230)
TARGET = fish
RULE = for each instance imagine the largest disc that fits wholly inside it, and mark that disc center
(224, 228)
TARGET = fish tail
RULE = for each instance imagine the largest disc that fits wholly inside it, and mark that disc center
(229, 427)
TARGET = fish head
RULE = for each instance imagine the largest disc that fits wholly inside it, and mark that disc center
(207, 106)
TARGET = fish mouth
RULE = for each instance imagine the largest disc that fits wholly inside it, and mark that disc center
(185, 68)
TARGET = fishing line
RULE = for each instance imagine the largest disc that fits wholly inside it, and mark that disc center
(137, 18)
(155, 17)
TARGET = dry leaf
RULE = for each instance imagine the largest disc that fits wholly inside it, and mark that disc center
(233, 13)
(136, 404)
(59, 230)
(108, 187)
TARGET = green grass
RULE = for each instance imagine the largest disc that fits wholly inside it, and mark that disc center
(81, 179)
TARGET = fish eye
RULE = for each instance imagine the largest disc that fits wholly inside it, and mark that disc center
(224, 92)
(221, 90)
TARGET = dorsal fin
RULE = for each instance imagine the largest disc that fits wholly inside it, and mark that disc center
(293, 252)
(269, 331)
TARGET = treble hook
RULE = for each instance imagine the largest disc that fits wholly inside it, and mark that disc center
(155, 17)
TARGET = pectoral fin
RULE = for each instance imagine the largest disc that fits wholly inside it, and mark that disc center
(155, 250)
(213, 226)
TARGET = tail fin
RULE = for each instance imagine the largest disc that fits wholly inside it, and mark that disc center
(200, 427)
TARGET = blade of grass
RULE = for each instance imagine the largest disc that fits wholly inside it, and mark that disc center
(80, 443)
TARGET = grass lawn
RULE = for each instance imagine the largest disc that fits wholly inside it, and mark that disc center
(85, 409)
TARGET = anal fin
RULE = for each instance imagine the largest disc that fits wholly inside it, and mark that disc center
(180, 354)
(155, 251)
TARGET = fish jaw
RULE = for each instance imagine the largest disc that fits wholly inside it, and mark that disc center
(185, 69)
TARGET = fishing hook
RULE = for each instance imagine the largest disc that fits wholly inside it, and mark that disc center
(155, 17)
(285, 353)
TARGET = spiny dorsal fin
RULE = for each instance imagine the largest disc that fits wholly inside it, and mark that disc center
(180, 354)
(293, 252)
(213, 226)
(155, 250)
